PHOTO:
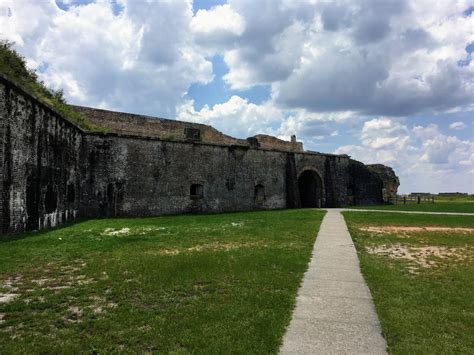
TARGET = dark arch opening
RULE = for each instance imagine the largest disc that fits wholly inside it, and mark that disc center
(311, 189)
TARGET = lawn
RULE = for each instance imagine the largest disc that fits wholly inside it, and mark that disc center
(221, 283)
(438, 206)
(420, 270)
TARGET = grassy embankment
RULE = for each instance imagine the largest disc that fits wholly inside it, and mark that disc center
(13, 66)
(421, 278)
(211, 283)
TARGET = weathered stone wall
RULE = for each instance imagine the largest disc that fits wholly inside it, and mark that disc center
(269, 142)
(364, 186)
(125, 176)
(153, 127)
(52, 171)
(390, 181)
(40, 160)
(3, 128)
(133, 176)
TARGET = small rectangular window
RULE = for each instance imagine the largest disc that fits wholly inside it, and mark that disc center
(192, 134)
(196, 191)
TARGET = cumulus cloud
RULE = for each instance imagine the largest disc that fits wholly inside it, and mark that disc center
(391, 58)
(262, 42)
(142, 59)
(375, 57)
(458, 125)
(217, 26)
(423, 157)
(242, 118)
(251, 118)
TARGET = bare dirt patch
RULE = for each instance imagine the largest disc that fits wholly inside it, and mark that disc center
(215, 246)
(54, 277)
(411, 229)
(116, 232)
(422, 257)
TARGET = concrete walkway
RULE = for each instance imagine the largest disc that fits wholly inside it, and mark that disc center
(334, 311)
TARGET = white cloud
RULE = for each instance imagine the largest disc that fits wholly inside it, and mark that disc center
(242, 118)
(375, 57)
(384, 133)
(141, 60)
(458, 125)
(217, 25)
(423, 157)
(237, 116)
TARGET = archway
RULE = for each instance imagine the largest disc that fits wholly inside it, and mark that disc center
(311, 189)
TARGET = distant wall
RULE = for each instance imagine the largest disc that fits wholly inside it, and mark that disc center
(390, 181)
(364, 186)
(269, 142)
(152, 127)
(133, 176)
(40, 161)
(125, 176)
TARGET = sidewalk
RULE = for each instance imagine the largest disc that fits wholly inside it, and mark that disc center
(334, 310)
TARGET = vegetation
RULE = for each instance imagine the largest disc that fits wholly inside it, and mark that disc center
(465, 198)
(421, 278)
(211, 283)
(13, 66)
(437, 206)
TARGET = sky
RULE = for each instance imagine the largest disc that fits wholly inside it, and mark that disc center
(388, 82)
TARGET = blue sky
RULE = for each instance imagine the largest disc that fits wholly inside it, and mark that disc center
(385, 82)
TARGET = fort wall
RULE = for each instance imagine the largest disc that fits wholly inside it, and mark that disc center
(40, 163)
(153, 127)
(53, 171)
(129, 176)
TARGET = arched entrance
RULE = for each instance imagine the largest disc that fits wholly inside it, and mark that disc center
(311, 189)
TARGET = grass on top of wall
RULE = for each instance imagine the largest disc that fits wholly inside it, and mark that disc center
(223, 283)
(420, 270)
(13, 66)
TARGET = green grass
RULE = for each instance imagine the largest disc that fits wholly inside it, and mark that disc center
(13, 66)
(208, 284)
(438, 206)
(468, 198)
(423, 309)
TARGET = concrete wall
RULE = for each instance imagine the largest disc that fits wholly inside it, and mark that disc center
(40, 160)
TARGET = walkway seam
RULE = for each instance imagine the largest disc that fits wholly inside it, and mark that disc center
(334, 316)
